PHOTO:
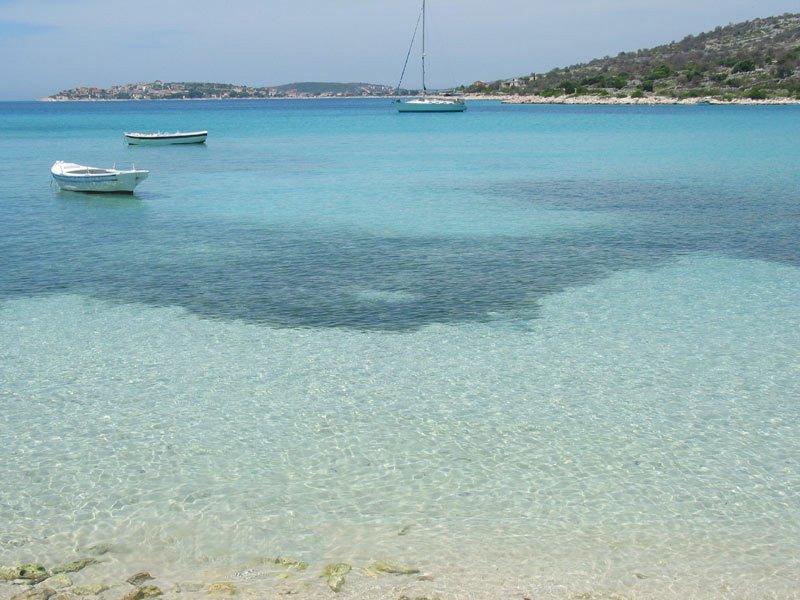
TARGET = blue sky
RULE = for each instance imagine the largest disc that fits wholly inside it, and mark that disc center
(48, 45)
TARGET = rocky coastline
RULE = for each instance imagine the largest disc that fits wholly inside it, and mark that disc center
(631, 100)
(587, 100)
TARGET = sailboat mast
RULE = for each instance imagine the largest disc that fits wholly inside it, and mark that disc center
(424, 88)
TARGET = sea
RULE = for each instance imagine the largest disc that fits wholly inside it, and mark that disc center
(543, 352)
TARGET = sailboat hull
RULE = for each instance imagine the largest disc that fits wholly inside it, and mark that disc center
(421, 106)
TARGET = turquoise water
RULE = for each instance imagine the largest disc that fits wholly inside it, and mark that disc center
(556, 348)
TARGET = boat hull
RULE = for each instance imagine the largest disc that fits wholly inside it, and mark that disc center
(120, 182)
(166, 140)
(430, 107)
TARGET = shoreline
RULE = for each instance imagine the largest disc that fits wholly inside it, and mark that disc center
(629, 101)
(215, 99)
(503, 99)
(105, 572)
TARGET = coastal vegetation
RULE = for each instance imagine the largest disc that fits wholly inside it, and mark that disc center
(758, 60)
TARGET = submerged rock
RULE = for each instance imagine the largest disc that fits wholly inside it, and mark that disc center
(290, 563)
(92, 589)
(139, 578)
(99, 549)
(58, 582)
(334, 574)
(592, 596)
(226, 588)
(38, 593)
(29, 572)
(392, 568)
(147, 591)
(75, 565)
(596, 596)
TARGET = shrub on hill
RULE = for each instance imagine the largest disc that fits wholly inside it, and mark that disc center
(744, 66)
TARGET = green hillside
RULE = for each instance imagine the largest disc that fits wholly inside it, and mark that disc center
(755, 59)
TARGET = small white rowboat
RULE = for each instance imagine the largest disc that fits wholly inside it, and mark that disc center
(78, 178)
(163, 139)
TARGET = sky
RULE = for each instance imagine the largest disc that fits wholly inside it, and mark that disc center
(50, 45)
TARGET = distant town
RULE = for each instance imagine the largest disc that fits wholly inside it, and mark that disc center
(160, 90)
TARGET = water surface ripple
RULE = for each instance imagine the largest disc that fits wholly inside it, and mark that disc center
(533, 351)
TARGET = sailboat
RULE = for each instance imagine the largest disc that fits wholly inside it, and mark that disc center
(424, 102)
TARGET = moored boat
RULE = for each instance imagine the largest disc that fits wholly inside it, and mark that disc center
(162, 139)
(425, 103)
(431, 104)
(79, 178)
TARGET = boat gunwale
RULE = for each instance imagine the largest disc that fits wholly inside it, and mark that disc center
(61, 170)
(430, 100)
(135, 135)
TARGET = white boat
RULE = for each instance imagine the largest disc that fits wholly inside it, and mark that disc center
(163, 139)
(425, 103)
(431, 104)
(79, 178)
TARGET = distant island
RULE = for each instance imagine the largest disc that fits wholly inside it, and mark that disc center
(160, 90)
(756, 60)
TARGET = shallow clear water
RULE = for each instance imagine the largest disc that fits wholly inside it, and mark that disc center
(555, 347)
